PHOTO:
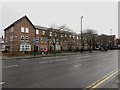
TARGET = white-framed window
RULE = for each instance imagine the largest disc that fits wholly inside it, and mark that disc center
(15, 36)
(26, 38)
(73, 36)
(77, 37)
(37, 31)
(12, 29)
(41, 40)
(65, 41)
(45, 40)
(37, 39)
(43, 32)
(61, 35)
(50, 33)
(27, 30)
(22, 29)
(25, 47)
(50, 40)
(43, 47)
(61, 42)
(22, 38)
(11, 38)
(65, 35)
(80, 38)
(55, 34)
(57, 41)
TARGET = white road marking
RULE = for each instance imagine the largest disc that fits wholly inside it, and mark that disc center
(43, 62)
(61, 60)
(78, 57)
(64, 59)
(83, 57)
(58, 60)
(2, 83)
(24, 59)
(10, 66)
(86, 56)
(54, 61)
(77, 65)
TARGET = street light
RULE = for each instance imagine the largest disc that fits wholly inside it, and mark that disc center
(81, 36)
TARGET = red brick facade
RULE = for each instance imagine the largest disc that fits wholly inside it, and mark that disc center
(20, 35)
(13, 35)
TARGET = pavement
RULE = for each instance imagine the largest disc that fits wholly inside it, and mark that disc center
(39, 55)
(111, 83)
(68, 71)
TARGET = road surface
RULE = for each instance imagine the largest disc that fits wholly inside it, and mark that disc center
(71, 71)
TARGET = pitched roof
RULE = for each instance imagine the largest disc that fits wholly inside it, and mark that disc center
(41, 27)
(19, 21)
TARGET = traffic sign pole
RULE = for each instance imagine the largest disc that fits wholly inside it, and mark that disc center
(34, 46)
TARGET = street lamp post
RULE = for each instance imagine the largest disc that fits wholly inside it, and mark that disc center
(81, 36)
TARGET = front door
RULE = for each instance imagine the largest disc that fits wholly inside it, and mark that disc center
(37, 48)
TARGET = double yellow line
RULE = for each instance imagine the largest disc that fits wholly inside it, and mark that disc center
(102, 80)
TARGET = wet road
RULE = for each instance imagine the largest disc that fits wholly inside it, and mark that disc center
(71, 71)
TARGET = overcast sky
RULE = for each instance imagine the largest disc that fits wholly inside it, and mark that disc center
(100, 16)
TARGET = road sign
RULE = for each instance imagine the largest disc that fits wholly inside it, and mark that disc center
(34, 41)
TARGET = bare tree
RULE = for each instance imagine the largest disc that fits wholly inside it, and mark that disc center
(69, 38)
(55, 37)
(104, 41)
(89, 34)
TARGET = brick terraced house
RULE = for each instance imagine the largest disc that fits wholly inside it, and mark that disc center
(19, 36)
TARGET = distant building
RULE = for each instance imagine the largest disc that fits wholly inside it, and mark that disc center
(118, 43)
(106, 40)
(2, 46)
